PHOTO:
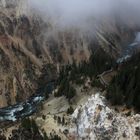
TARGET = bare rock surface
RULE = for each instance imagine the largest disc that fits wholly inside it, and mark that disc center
(97, 121)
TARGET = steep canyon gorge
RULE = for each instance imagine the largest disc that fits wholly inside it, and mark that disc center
(68, 72)
(28, 43)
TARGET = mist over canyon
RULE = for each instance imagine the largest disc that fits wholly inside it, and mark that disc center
(84, 14)
(69, 69)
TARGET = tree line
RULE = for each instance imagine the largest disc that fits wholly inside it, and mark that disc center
(125, 87)
(71, 74)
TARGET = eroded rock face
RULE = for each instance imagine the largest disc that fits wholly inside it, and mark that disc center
(97, 121)
(25, 49)
(28, 43)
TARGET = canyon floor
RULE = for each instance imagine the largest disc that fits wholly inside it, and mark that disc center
(94, 118)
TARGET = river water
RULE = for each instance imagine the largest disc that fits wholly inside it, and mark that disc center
(130, 49)
(27, 108)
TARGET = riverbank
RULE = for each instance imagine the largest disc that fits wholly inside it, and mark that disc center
(57, 108)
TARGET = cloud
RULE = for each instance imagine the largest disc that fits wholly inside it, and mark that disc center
(84, 13)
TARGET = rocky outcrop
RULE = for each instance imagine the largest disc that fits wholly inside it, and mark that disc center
(96, 120)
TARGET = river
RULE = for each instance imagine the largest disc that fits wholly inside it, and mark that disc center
(129, 51)
(27, 108)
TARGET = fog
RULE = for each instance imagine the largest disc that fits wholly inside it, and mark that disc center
(84, 13)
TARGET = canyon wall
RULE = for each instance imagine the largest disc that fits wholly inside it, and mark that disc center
(28, 43)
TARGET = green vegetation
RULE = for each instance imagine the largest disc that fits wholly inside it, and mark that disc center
(67, 90)
(70, 110)
(55, 137)
(96, 83)
(52, 137)
(43, 117)
(125, 87)
(48, 74)
(77, 73)
(30, 124)
(45, 136)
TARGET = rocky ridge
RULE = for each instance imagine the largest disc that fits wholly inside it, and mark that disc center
(97, 120)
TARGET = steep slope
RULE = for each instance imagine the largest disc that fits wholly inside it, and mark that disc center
(25, 50)
(28, 43)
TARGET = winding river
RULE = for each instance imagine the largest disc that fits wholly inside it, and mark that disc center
(27, 108)
(130, 49)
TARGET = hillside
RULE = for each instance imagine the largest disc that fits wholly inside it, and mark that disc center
(28, 42)
(73, 75)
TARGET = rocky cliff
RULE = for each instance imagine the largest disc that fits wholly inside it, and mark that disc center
(28, 43)
(96, 120)
(25, 49)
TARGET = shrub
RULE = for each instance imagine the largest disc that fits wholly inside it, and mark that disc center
(70, 110)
